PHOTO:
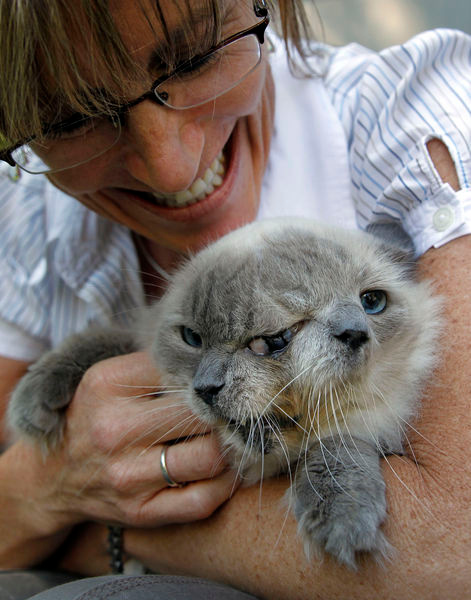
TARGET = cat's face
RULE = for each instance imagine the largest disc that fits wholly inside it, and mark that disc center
(269, 329)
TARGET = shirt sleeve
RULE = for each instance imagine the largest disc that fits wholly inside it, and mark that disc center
(391, 104)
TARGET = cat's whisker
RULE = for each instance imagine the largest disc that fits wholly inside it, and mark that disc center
(278, 433)
(305, 454)
(327, 413)
(377, 393)
(130, 444)
(149, 387)
(347, 430)
(352, 400)
(149, 396)
(147, 432)
(247, 449)
(336, 456)
(403, 436)
(268, 406)
(259, 424)
(371, 395)
(316, 429)
(288, 416)
(409, 425)
(394, 472)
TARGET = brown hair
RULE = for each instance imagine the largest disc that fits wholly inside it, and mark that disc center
(42, 45)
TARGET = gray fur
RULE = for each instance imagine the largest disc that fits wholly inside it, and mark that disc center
(327, 405)
(39, 401)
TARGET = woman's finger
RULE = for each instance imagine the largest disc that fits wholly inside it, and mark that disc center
(120, 403)
(195, 501)
(199, 458)
(142, 473)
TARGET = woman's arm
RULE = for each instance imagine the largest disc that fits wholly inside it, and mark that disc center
(11, 371)
(107, 467)
(24, 534)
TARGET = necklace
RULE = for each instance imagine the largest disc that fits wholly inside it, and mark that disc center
(150, 259)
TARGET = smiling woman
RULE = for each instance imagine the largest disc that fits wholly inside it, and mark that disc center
(141, 131)
(182, 84)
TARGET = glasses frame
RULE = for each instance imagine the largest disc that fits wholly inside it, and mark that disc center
(260, 9)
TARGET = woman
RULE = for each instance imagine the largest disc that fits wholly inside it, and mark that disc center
(125, 182)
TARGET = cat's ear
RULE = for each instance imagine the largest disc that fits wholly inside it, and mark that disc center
(397, 242)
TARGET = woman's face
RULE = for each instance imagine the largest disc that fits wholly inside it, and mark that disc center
(163, 151)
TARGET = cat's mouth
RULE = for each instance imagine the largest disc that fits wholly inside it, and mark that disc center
(263, 433)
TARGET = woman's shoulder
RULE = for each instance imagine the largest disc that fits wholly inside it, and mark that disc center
(23, 207)
(350, 62)
(35, 215)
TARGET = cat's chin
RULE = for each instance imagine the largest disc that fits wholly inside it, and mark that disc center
(252, 466)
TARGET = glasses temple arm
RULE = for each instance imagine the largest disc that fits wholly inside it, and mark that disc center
(260, 7)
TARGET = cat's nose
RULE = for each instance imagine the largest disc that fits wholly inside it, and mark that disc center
(354, 338)
(349, 325)
(208, 393)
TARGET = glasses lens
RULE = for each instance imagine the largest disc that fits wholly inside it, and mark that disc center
(212, 75)
(72, 146)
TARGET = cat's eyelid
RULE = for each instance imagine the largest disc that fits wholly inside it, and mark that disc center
(260, 345)
(295, 328)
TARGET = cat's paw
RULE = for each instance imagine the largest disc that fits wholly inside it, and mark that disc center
(345, 531)
(37, 405)
(340, 503)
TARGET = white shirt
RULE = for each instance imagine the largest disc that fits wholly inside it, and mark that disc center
(349, 148)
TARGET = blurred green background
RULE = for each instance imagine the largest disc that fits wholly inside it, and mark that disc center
(380, 23)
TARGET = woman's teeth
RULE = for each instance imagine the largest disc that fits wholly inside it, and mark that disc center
(199, 189)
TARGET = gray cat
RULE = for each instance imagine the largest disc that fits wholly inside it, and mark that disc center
(305, 347)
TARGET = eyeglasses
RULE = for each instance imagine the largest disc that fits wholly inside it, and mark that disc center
(196, 81)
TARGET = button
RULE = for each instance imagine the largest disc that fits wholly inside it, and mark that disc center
(443, 218)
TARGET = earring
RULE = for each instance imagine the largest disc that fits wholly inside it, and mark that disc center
(14, 173)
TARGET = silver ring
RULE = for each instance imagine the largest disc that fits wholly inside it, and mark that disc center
(166, 475)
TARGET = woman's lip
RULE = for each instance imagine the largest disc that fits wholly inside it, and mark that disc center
(199, 209)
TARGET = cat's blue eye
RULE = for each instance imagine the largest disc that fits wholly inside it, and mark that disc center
(374, 302)
(191, 338)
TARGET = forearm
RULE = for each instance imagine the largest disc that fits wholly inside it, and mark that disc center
(29, 528)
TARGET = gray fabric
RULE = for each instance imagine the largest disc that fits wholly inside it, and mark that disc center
(20, 585)
(142, 587)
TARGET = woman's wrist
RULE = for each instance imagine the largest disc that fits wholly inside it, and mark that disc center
(31, 525)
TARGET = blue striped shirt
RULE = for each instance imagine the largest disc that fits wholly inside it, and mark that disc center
(63, 267)
(390, 104)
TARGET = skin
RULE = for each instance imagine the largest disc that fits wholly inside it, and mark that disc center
(41, 501)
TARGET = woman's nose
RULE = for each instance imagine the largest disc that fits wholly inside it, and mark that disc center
(163, 147)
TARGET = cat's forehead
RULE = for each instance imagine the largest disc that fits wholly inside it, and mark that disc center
(233, 289)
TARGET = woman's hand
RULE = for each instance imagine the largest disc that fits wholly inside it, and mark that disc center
(108, 466)
(115, 433)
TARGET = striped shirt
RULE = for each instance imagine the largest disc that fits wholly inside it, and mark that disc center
(390, 105)
(357, 137)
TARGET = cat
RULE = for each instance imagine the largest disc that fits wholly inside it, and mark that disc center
(305, 346)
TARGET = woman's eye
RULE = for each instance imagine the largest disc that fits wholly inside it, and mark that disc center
(374, 302)
(195, 66)
(268, 345)
(80, 126)
(191, 338)
(69, 130)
